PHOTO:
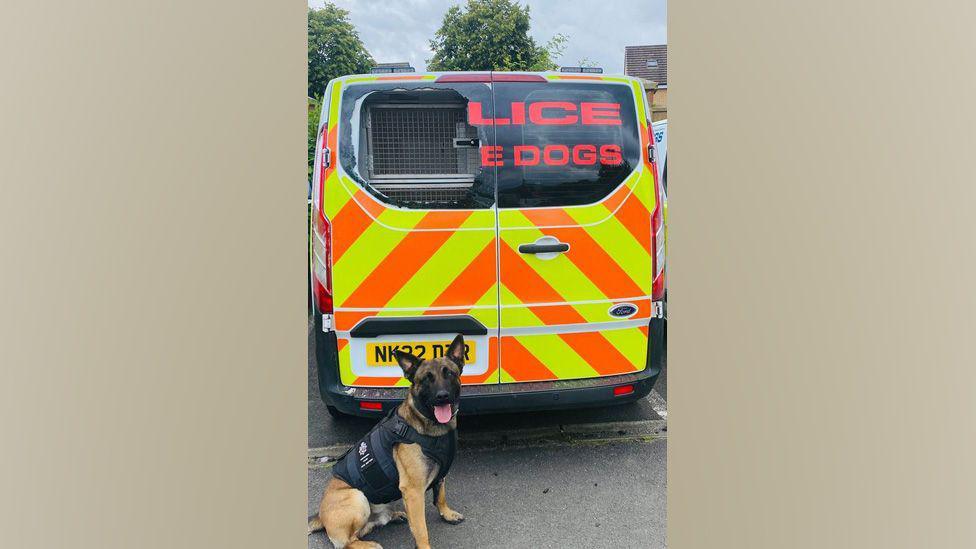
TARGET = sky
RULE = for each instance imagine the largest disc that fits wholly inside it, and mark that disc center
(399, 30)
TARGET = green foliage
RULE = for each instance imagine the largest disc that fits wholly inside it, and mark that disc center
(489, 35)
(587, 62)
(334, 48)
(552, 51)
(314, 110)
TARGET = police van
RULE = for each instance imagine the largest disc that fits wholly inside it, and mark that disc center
(660, 129)
(522, 210)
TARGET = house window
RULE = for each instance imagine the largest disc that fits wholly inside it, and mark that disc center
(652, 63)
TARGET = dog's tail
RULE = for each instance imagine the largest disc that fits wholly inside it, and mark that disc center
(314, 524)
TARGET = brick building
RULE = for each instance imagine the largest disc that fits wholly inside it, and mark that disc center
(651, 64)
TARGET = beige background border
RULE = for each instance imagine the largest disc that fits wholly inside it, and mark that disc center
(821, 275)
(153, 334)
(153, 294)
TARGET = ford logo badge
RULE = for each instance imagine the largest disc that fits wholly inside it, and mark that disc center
(623, 310)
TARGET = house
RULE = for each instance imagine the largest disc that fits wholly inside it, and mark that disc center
(651, 64)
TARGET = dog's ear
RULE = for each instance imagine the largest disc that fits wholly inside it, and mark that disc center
(408, 363)
(456, 351)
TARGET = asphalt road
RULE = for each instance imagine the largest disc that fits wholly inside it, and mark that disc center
(610, 495)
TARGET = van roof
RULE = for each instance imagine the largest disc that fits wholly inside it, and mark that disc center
(552, 76)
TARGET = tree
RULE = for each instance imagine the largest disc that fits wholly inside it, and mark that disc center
(334, 48)
(489, 35)
(587, 62)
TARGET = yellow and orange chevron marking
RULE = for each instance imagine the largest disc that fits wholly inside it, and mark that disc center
(550, 356)
(609, 262)
(478, 278)
(547, 357)
(397, 262)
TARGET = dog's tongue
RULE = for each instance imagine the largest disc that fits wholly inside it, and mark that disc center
(443, 413)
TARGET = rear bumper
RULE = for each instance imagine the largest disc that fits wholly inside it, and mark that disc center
(497, 398)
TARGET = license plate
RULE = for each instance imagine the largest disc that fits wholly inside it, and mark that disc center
(381, 354)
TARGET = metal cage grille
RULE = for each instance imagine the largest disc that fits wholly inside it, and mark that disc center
(430, 194)
(418, 141)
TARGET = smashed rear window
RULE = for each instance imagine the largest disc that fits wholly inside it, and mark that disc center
(410, 144)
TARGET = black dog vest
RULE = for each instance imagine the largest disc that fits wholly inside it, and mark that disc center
(369, 466)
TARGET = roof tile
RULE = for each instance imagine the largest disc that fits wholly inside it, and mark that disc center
(636, 62)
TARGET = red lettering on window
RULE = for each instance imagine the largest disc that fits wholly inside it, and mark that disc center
(518, 113)
(591, 114)
(563, 155)
(597, 114)
(476, 116)
(491, 155)
(520, 159)
(536, 113)
(610, 155)
(584, 155)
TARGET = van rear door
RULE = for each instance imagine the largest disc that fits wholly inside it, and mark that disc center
(575, 196)
(413, 225)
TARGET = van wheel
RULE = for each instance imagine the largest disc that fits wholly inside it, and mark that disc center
(335, 413)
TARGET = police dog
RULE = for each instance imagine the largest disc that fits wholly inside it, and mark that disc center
(346, 513)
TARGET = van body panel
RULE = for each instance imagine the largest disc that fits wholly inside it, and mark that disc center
(580, 314)
(391, 260)
(556, 321)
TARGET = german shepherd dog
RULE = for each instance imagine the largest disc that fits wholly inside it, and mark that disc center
(430, 408)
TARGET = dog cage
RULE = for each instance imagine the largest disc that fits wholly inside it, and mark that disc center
(418, 147)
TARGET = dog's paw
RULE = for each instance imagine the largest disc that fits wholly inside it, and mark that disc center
(452, 517)
(399, 517)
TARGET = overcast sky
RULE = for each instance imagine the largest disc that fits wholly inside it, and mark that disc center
(399, 30)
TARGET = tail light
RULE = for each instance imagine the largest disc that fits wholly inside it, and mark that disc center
(657, 222)
(623, 390)
(321, 232)
(657, 243)
(322, 265)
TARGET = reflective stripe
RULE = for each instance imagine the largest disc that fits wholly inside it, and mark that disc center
(576, 304)
(562, 360)
(370, 250)
(593, 258)
(602, 327)
(352, 219)
(404, 220)
(557, 279)
(632, 344)
(438, 271)
(529, 368)
(573, 355)
(396, 268)
(511, 219)
(479, 276)
(599, 352)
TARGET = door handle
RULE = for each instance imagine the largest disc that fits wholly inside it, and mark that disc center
(545, 247)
